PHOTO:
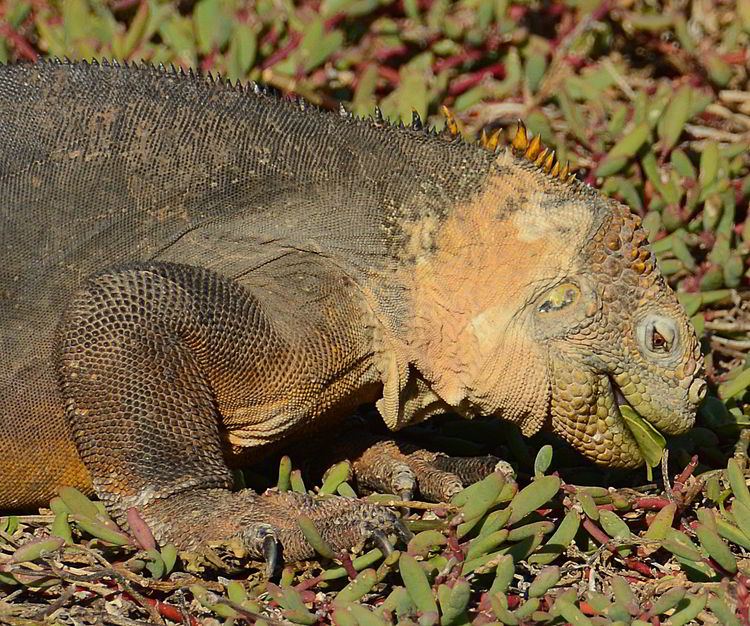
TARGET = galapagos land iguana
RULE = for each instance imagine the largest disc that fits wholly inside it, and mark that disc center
(192, 270)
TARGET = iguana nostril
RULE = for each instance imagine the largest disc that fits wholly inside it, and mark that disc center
(697, 391)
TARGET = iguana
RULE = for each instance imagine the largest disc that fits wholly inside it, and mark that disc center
(192, 270)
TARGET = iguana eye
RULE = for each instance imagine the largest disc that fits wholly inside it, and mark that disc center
(661, 338)
(559, 297)
(658, 342)
(657, 335)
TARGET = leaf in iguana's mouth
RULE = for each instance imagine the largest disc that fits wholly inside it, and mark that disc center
(650, 441)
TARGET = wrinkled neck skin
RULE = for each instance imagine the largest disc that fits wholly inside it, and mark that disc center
(527, 302)
(471, 337)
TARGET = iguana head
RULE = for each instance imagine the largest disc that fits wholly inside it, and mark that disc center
(542, 304)
(616, 334)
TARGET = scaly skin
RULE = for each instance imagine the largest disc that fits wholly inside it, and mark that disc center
(659, 381)
(192, 272)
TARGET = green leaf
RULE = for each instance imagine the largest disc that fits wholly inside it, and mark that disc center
(364, 95)
(485, 544)
(586, 500)
(572, 613)
(453, 602)
(680, 250)
(543, 460)
(675, 117)
(296, 482)
(650, 441)
(709, 164)
(475, 500)
(536, 64)
(285, 471)
(361, 562)
(668, 600)
(716, 547)
(242, 51)
(504, 573)
(735, 386)
(559, 541)
(34, 549)
(737, 482)
(155, 564)
(679, 544)
(544, 580)
(417, 584)
(339, 473)
(177, 33)
(663, 520)
(719, 71)
(169, 556)
(610, 165)
(134, 36)
(358, 587)
(630, 143)
(61, 528)
(533, 496)
(667, 190)
(688, 611)
(682, 164)
(101, 531)
(77, 502)
(732, 533)
(314, 538)
(499, 604)
(213, 25)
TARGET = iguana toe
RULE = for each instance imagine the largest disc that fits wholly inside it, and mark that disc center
(403, 468)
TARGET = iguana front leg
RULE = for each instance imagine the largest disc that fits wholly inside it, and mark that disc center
(159, 363)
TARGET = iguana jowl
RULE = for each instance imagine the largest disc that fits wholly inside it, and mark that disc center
(191, 270)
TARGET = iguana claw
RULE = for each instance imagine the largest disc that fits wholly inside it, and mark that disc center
(404, 534)
(406, 494)
(271, 555)
(381, 541)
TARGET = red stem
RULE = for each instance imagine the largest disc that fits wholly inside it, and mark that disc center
(24, 48)
(464, 57)
(470, 80)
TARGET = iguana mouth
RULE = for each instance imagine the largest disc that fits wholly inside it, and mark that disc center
(648, 435)
(619, 396)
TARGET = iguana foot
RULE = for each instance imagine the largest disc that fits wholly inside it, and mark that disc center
(265, 526)
(402, 468)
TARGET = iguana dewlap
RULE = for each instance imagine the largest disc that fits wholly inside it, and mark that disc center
(192, 270)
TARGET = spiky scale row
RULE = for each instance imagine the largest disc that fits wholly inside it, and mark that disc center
(451, 130)
(490, 142)
(416, 121)
(543, 158)
(532, 150)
